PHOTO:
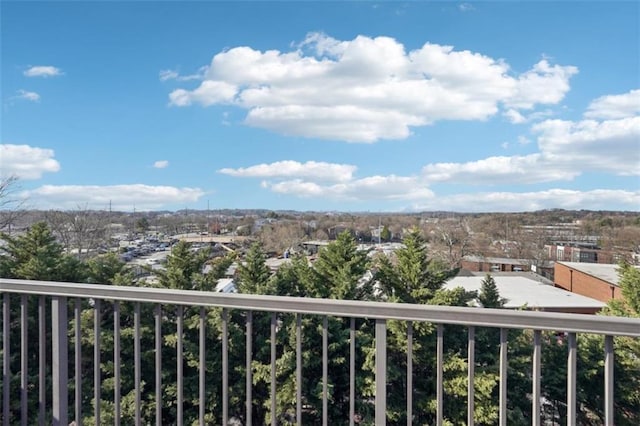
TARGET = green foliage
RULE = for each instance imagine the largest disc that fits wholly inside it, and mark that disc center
(385, 234)
(184, 269)
(412, 277)
(37, 256)
(142, 224)
(489, 296)
(626, 360)
(338, 270)
(629, 284)
(253, 274)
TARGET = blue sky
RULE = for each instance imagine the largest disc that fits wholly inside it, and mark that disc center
(349, 106)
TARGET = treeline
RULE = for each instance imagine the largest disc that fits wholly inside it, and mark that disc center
(411, 277)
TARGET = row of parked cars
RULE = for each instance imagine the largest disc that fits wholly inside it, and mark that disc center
(133, 251)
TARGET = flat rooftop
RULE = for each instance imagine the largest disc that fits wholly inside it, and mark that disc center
(502, 260)
(522, 291)
(605, 271)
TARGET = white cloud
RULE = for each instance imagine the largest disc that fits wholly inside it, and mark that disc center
(615, 106)
(514, 116)
(313, 170)
(567, 149)
(370, 188)
(533, 168)
(161, 164)
(523, 140)
(43, 71)
(367, 89)
(26, 162)
(466, 7)
(610, 146)
(165, 75)
(28, 96)
(119, 197)
(597, 199)
(544, 84)
(209, 93)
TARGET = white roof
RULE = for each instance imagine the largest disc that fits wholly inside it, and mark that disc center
(605, 271)
(226, 285)
(521, 291)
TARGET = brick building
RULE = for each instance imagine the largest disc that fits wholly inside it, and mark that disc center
(495, 264)
(595, 280)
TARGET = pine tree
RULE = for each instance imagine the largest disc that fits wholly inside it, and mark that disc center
(489, 296)
(339, 270)
(626, 360)
(37, 256)
(253, 273)
(414, 278)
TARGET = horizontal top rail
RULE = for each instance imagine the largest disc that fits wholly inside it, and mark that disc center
(482, 317)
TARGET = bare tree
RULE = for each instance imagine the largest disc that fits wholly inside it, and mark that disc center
(11, 206)
(452, 240)
(80, 230)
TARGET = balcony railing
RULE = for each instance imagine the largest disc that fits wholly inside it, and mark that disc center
(59, 348)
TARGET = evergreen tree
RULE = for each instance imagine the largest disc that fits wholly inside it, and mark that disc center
(489, 296)
(37, 256)
(385, 234)
(253, 273)
(339, 271)
(414, 278)
(34, 255)
(626, 360)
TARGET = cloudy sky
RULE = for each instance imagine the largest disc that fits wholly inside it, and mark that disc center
(349, 106)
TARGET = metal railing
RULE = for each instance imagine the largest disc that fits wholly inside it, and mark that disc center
(65, 298)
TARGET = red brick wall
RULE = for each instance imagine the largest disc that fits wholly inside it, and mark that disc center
(584, 284)
(471, 266)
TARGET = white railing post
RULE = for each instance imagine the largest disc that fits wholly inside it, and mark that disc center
(60, 360)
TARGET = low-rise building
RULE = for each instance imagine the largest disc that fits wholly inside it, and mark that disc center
(595, 280)
(525, 293)
(495, 264)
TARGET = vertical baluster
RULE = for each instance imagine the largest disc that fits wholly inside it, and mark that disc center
(352, 371)
(180, 327)
(77, 310)
(325, 361)
(571, 380)
(42, 362)
(503, 376)
(60, 361)
(97, 380)
(381, 372)
(537, 374)
(248, 367)
(471, 374)
(299, 369)
(409, 373)
(6, 371)
(116, 362)
(439, 373)
(608, 380)
(23, 359)
(225, 367)
(136, 361)
(202, 368)
(273, 369)
(158, 361)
